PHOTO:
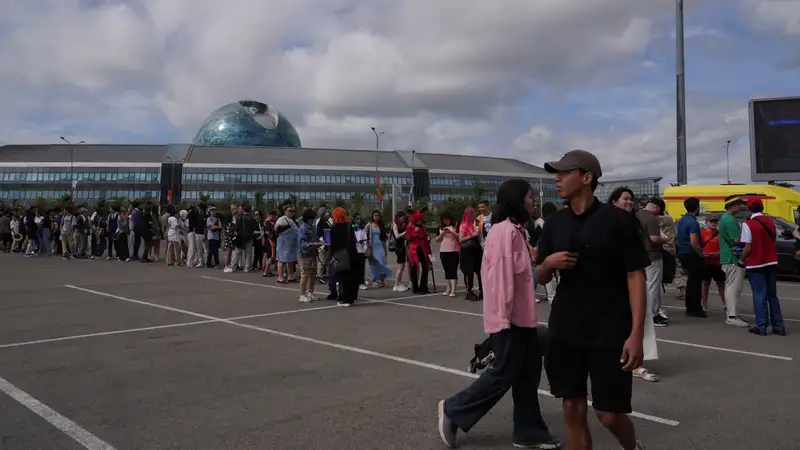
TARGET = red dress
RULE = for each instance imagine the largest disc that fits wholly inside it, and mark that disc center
(417, 237)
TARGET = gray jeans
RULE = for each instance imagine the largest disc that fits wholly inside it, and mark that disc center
(243, 257)
(654, 273)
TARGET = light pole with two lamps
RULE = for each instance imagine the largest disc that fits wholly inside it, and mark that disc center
(71, 162)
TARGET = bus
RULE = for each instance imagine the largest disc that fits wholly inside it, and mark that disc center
(779, 201)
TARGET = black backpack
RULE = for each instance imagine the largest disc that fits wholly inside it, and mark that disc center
(249, 227)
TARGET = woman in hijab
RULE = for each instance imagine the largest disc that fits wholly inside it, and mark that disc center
(622, 198)
(343, 244)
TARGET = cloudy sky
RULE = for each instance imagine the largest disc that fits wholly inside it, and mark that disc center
(523, 78)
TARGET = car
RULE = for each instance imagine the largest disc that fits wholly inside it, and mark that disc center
(787, 245)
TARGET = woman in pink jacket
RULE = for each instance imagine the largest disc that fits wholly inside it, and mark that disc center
(509, 317)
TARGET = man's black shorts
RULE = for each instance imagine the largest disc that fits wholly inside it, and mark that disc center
(568, 368)
(713, 272)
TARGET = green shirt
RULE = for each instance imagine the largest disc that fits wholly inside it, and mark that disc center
(728, 231)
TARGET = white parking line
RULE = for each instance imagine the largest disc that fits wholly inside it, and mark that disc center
(159, 327)
(68, 427)
(348, 348)
(747, 294)
(682, 308)
(467, 313)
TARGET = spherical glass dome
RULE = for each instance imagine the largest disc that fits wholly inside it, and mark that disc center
(247, 123)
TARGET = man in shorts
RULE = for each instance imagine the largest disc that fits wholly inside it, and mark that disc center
(598, 252)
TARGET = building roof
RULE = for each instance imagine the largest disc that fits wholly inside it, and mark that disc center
(82, 153)
(630, 180)
(444, 163)
(309, 158)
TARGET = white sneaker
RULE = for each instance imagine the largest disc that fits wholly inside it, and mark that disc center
(446, 293)
(363, 287)
(312, 296)
(305, 299)
(399, 288)
(228, 270)
(663, 314)
(452, 294)
(736, 321)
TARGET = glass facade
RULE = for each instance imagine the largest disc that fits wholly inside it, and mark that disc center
(271, 176)
(461, 187)
(138, 175)
(95, 183)
(80, 194)
(247, 123)
(194, 195)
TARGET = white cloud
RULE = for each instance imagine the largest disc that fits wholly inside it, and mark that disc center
(435, 76)
(776, 15)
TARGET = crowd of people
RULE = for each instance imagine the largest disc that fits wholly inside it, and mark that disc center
(603, 265)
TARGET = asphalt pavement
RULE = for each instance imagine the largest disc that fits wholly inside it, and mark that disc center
(110, 355)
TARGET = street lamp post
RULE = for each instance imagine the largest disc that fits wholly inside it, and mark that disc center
(680, 97)
(728, 160)
(411, 193)
(71, 162)
(377, 157)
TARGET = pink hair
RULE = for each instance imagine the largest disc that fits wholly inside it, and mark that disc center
(468, 222)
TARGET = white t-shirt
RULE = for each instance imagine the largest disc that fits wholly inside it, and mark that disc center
(173, 229)
(361, 241)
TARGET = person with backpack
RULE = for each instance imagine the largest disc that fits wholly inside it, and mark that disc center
(322, 223)
(243, 243)
(81, 231)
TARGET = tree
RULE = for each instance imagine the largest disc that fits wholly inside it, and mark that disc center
(41, 204)
(478, 191)
(356, 203)
(205, 198)
(259, 201)
(65, 201)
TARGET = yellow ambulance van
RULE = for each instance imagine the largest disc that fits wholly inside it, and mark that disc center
(779, 201)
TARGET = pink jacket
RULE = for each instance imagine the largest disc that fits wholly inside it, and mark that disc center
(508, 296)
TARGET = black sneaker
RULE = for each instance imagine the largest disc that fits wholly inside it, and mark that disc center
(757, 331)
(470, 296)
(447, 429)
(660, 321)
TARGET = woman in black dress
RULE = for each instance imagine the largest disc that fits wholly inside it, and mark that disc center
(343, 238)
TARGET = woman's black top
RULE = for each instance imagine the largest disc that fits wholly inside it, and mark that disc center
(343, 236)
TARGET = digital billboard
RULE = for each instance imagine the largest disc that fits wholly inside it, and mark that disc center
(775, 139)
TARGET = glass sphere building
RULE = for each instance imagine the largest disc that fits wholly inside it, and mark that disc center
(247, 123)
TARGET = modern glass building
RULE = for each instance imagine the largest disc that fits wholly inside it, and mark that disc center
(643, 188)
(175, 172)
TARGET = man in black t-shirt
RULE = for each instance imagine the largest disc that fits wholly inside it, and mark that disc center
(597, 318)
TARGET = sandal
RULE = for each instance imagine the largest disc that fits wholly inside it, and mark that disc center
(644, 374)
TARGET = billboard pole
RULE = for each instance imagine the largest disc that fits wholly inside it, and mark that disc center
(680, 101)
